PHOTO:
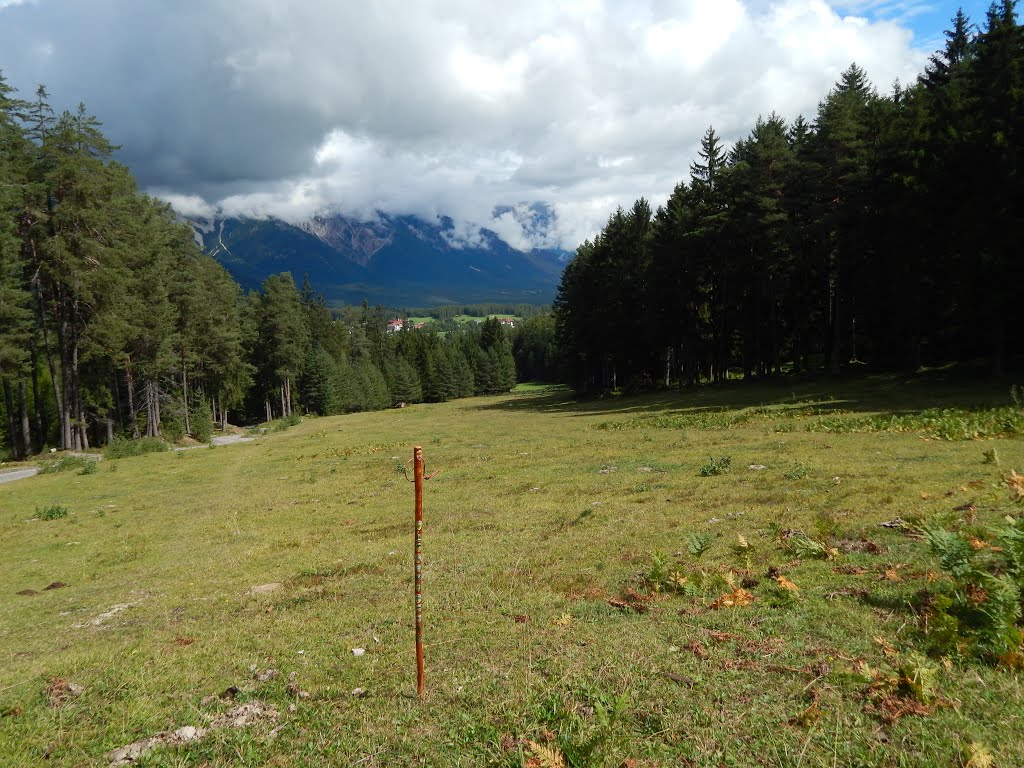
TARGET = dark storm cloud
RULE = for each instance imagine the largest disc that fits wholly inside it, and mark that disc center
(284, 108)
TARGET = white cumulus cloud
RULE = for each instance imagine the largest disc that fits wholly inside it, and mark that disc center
(438, 107)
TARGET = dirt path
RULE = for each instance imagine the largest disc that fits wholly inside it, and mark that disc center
(20, 474)
(219, 440)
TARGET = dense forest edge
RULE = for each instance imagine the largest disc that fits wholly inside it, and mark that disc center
(883, 233)
(115, 325)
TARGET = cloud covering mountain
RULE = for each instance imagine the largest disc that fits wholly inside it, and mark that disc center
(438, 107)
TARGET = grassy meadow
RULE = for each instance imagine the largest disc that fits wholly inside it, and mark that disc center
(606, 584)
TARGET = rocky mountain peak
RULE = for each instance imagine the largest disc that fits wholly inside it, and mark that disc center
(359, 240)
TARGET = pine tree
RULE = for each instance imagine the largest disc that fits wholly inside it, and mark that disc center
(842, 141)
(284, 334)
(15, 300)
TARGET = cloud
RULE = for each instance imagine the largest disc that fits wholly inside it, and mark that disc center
(440, 107)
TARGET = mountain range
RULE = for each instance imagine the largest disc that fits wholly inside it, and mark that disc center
(400, 261)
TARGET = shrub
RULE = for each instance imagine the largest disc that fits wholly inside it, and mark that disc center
(798, 472)
(172, 426)
(717, 467)
(52, 512)
(284, 423)
(121, 448)
(65, 464)
(201, 422)
(90, 468)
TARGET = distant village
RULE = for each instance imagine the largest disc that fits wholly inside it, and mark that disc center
(399, 324)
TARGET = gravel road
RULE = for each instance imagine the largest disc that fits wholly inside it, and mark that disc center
(19, 474)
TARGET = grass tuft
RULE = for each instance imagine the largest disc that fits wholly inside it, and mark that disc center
(122, 448)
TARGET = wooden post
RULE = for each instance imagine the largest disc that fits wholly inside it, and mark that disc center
(417, 457)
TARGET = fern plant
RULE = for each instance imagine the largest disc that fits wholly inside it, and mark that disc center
(979, 613)
(699, 543)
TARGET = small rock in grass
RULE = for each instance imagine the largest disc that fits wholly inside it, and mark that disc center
(359, 693)
(681, 679)
(263, 589)
(266, 675)
(756, 467)
(358, 651)
(186, 734)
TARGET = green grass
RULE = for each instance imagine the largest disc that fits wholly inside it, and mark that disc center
(463, 319)
(65, 463)
(570, 572)
(123, 448)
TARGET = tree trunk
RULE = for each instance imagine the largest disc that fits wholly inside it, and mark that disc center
(152, 409)
(998, 347)
(132, 411)
(270, 415)
(80, 437)
(26, 428)
(37, 402)
(834, 360)
(63, 345)
(116, 390)
(12, 431)
(54, 380)
(156, 409)
(284, 403)
(184, 397)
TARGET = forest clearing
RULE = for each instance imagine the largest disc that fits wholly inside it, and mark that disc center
(735, 576)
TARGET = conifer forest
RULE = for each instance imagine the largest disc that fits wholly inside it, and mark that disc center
(113, 323)
(883, 230)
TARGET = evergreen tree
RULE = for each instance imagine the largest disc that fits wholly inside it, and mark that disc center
(16, 335)
(284, 335)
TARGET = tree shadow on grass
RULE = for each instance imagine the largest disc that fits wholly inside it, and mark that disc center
(889, 394)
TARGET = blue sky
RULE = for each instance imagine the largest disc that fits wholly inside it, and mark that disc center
(927, 20)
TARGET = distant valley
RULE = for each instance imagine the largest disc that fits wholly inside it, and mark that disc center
(392, 260)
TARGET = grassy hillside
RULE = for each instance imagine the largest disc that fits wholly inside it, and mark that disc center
(586, 588)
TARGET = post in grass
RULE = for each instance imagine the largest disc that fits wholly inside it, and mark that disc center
(417, 458)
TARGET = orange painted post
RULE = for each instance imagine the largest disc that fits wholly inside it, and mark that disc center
(417, 458)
